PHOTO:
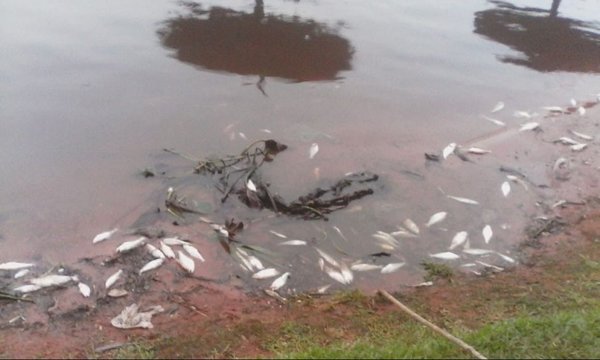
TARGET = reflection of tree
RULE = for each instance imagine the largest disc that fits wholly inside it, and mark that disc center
(256, 44)
(546, 41)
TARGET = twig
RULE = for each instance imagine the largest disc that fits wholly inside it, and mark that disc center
(7, 296)
(432, 326)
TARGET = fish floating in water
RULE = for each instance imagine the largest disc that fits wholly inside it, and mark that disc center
(411, 226)
(529, 126)
(174, 241)
(499, 106)
(265, 273)
(478, 151)
(130, 245)
(365, 267)
(436, 218)
(495, 121)
(19, 274)
(113, 279)
(463, 200)
(392, 267)
(459, 239)
(104, 235)
(151, 265)
(449, 149)
(581, 135)
(445, 256)
(505, 188)
(487, 233)
(293, 243)
(27, 288)
(193, 252)
(280, 281)
(250, 185)
(51, 280)
(12, 265)
(314, 149)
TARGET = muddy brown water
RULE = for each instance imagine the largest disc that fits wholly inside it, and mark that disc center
(91, 93)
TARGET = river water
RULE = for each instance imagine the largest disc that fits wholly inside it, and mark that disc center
(91, 92)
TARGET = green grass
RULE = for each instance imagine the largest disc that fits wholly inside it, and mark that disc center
(569, 334)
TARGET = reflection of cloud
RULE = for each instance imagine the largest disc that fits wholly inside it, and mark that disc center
(256, 44)
(546, 43)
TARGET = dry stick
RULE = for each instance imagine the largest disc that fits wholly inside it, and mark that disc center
(432, 326)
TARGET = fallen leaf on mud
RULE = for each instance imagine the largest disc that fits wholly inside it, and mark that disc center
(505, 188)
(151, 265)
(459, 239)
(293, 243)
(280, 281)
(445, 256)
(487, 233)
(104, 235)
(113, 279)
(499, 106)
(266, 273)
(529, 126)
(130, 245)
(186, 262)
(411, 226)
(84, 289)
(130, 317)
(12, 265)
(436, 218)
(463, 200)
(390, 268)
(449, 149)
(314, 149)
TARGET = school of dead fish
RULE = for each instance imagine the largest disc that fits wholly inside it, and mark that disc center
(338, 270)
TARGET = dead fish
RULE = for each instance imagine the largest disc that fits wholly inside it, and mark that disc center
(463, 200)
(529, 126)
(472, 251)
(51, 280)
(445, 256)
(154, 251)
(478, 151)
(255, 262)
(506, 258)
(522, 114)
(469, 265)
(411, 226)
(388, 238)
(566, 140)
(436, 218)
(487, 233)
(328, 258)
(267, 131)
(27, 288)
(250, 185)
(228, 128)
(553, 108)
(117, 293)
(337, 229)
(104, 235)
(573, 102)
(186, 262)
(365, 267)
(151, 265)
(278, 234)
(518, 180)
(12, 265)
(581, 135)
(581, 111)
(323, 289)
(424, 284)
(496, 122)
(293, 242)
(166, 249)
(314, 149)
(193, 252)
(335, 275)
(21, 273)
(346, 273)
(494, 267)
(174, 241)
(459, 239)
(113, 279)
(130, 245)
(578, 147)
(449, 149)
(505, 188)
(401, 232)
(280, 282)
(266, 273)
(84, 289)
(242, 135)
(390, 268)
(499, 106)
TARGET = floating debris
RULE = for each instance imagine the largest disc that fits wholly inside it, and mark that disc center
(505, 188)
(113, 279)
(365, 267)
(448, 150)
(436, 218)
(130, 317)
(392, 267)
(266, 273)
(130, 245)
(411, 226)
(151, 265)
(51, 280)
(186, 262)
(459, 239)
(84, 289)
(293, 243)
(463, 200)
(487, 233)
(499, 106)
(314, 149)
(104, 235)
(445, 256)
(193, 252)
(12, 265)
(280, 282)
(529, 126)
